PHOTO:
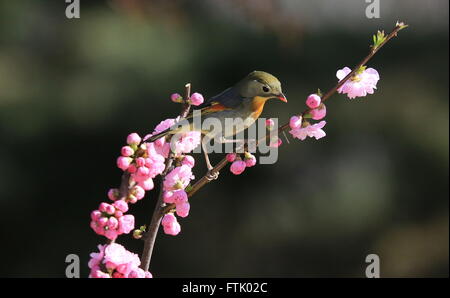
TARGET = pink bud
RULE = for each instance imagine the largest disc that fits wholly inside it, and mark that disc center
(250, 162)
(140, 161)
(102, 221)
(127, 151)
(102, 207)
(295, 122)
(319, 113)
(176, 97)
(173, 230)
(237, 167)
(270, 123)
(180, 196)
(133, 139)
(143, 171)
(196, 99)
(189, 161)
(110, 209)
(132, 199)
(313, 101)
(126, 224)
(168, 219)
(231, 157)
(123, 162)
(96, 214)
(147, 184)
(113, 194)
(183, 209)
(138, 192)
(121, 205)
(112, 223)
(118, 214)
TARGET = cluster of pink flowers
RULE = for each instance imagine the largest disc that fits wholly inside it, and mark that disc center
(109, 220)
(301, 129)
(174, 185)
(362, 83)
(238, 165)
(114, 261)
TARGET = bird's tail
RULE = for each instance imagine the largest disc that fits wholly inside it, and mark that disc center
(159, 135)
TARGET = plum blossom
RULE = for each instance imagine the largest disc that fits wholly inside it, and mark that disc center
(196, 99)
(118, 262)
(109, 220)
(362, 83)
(319, 113)
(170, 224)
(178, 178)
(313, 101)
(314, 130)
(237, 167)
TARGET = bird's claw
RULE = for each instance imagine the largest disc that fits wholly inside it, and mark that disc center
(212, 175)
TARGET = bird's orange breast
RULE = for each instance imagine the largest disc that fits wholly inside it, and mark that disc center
(258, 106)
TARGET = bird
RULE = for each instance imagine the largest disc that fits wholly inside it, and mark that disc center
(245, 100)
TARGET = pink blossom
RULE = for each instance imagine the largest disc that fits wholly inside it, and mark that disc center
(170, 224)
(237, 167)
(140, 161)
(313, 101)
(138, 192)
(127, 151)
(295, 122)
(123, 162)
(185, 142)
(126, 224)
(113, 194)
(179, 196)
(96, 214)
(319, 113)
(121, 205)
(250, 160)
(231, 157)
(178, 178)
(168, 197)
(270, 123)
(314, 130)
(133, 139)
(163, 125)
(147, 184)
(112, 223)
(176, 97)
(362, 83)
(183, 209)
(189, 161)
(196, 99)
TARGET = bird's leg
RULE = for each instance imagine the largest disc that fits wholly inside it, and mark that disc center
(211, 175)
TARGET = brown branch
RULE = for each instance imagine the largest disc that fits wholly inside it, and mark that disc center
(204, 180)
(158, 212)
(162, 209)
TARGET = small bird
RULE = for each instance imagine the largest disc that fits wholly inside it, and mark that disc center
(245, 100)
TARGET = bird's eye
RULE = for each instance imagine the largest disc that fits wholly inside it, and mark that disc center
(265, 89)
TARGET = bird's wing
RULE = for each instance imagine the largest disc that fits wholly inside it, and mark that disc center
(229, 98)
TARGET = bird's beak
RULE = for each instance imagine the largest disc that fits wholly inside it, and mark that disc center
(282, 97)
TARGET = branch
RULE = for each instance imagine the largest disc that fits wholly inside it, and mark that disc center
(158, 213)
(374, 49)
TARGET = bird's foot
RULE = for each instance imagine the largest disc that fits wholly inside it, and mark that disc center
(212, 175)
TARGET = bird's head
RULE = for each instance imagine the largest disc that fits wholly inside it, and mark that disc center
(262, 85)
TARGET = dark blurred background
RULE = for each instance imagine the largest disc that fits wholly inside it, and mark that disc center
(72, 89)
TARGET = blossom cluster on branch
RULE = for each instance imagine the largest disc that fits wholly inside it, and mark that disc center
(142, 161)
